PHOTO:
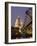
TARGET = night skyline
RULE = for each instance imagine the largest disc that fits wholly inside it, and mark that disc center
(18, 11)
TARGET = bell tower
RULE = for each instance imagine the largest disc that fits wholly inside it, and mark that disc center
(17, 22)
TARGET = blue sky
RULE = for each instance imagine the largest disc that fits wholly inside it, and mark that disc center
(18, 11)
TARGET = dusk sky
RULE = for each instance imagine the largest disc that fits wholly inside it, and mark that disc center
(18, 11)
